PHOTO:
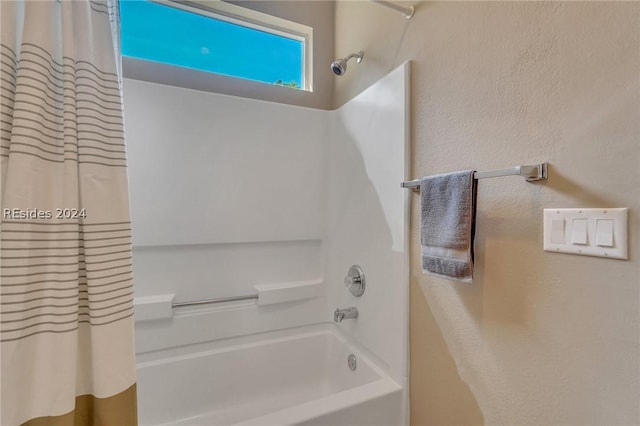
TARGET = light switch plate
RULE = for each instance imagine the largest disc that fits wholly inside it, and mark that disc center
(606, 232)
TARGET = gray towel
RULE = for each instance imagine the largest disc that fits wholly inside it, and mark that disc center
(447, 224)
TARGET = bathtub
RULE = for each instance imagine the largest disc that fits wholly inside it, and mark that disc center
(293, 377)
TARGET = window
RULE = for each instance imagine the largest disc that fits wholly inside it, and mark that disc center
(218, 37)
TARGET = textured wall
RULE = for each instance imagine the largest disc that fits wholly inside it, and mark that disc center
(537, 338)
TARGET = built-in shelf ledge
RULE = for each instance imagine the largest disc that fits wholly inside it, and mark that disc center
(161, 306)
(153, 307)
(269, 294)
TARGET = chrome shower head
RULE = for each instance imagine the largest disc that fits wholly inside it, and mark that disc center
(339, 66)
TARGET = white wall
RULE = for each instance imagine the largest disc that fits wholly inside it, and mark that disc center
(366, 216)
(210, 168)
(226, 193)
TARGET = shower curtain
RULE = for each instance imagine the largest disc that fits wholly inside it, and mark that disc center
(66, 315)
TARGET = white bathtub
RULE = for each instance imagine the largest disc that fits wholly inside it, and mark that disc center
(293, 377)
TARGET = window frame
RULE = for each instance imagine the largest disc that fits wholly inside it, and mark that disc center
(227, 12)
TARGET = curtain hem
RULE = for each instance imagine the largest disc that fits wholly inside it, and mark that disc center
(120, 409)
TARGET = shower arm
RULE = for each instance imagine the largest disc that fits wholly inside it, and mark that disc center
(358, 56)
(406, 11)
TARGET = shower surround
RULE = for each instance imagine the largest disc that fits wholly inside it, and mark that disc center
(231, 193)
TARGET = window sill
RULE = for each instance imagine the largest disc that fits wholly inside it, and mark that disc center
(187, 78)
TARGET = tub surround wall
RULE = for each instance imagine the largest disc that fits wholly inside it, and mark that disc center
(232, 196)
(216, 169)
(537, 338)
(226, 193)
(207, 271)
(367, 222)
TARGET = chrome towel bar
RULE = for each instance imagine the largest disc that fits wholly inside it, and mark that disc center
(531, 173)
(218, 300)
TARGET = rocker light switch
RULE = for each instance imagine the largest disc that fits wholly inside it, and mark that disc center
(557, 231)
(598, 232)
(579, 231)
(604, 232)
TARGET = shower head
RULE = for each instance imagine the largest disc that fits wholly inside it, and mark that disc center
(339, 66)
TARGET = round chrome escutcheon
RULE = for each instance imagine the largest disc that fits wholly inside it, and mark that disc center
(355, 281)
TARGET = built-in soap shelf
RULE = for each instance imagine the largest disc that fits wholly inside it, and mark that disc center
(162, 306)
(155, 307)
(269, 294)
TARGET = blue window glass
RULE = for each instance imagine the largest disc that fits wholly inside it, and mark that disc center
(161, 33)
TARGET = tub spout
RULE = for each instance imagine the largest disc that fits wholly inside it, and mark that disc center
(346, 313)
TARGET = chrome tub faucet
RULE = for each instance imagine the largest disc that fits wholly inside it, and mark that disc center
(346, 313)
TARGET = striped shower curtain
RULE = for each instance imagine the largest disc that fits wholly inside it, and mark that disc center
(66, 317)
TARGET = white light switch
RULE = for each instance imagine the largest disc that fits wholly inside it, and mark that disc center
(604, 232)
(579, 231)
(557, 231)
(590, 232)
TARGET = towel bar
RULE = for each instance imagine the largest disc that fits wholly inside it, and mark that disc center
(220, 300)
(531, 173)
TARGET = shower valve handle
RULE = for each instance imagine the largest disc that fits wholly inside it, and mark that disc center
(349, 281)
(354, 281)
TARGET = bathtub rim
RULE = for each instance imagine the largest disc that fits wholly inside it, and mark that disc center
(382, 385)
(317, 408)
(195, 350)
